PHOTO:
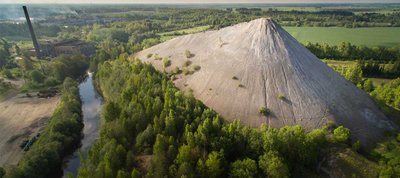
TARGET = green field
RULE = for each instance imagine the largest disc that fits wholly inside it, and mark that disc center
(377, 36)
(172, 34)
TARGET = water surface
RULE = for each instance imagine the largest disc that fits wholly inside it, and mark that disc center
(91, 108)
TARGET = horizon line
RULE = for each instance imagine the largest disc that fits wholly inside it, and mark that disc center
(199, 3)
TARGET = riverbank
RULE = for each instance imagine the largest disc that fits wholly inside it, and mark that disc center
(91, 109)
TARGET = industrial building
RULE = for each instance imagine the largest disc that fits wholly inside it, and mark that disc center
(67, 47)
(55, 48)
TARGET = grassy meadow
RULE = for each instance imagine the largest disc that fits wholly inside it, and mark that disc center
(172, 34)
(371, 37)
(375, 36)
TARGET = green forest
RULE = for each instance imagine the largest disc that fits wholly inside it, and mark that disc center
(145, 115)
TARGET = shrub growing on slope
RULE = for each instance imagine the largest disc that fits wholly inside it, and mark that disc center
(187, 63)
(196, 67)
(264, 111)
(341, 134)
(166, 62)
(188, 54)
(281, 96)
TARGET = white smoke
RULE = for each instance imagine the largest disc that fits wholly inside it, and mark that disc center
(14, 12)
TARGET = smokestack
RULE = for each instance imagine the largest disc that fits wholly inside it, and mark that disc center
(33, 36)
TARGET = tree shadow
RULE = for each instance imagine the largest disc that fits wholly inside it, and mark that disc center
(222, 44)
(286, 101)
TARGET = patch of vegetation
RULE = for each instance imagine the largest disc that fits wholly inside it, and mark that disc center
(351, 164)
(273, 165)
(356, 146)
(281, 96)
(4, 52)
(68, 66)
(166, 62)
(188, 54)
(187, 63)
(341, 135)
(5, 87)
(157, 57)
(7, 74)
(149, 55)
(176, 70)
(241, 86)
(354, 74)
(387, 152)
(330, 125)
(383, 70)
(389, 93)
(264, 111)
(187, 71)
(244, 168)
(196, 67)
(37, 76)
(235, 78)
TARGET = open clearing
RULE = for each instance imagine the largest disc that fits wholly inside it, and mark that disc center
(20, 118)
(376, 36)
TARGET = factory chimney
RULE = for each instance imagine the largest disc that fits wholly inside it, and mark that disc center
(35, 43)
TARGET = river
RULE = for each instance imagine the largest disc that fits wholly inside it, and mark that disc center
(91, 109)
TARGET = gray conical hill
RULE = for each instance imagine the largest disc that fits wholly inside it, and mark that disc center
(272, 70)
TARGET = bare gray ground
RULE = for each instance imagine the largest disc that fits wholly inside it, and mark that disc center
(20, 118)
(268, 62)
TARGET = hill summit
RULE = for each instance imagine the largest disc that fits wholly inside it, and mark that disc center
(252, 66)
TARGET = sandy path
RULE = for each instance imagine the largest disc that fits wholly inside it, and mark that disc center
(21, 117)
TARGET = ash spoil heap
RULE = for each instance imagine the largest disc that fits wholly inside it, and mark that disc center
(257, 64)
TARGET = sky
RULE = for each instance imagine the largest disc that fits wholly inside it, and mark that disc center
(190, 1)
